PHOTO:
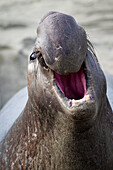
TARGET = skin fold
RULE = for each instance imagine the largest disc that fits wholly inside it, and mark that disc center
(50, 134)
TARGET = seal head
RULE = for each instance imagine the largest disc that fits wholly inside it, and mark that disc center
(64, 67)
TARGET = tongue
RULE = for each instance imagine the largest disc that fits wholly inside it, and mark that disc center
(73, 86)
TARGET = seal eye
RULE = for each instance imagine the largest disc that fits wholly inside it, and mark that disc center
(33, 56)
(38, 55)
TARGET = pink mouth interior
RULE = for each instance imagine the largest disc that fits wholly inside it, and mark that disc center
(73, 86)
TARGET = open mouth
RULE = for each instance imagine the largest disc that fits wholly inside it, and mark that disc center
(76, 88)
(73, 86)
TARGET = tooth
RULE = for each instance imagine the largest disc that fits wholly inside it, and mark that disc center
(74, 101)
(88, 97)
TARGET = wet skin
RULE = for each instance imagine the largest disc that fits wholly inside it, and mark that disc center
(66, 123)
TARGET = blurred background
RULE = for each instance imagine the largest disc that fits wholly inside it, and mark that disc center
(18, 23)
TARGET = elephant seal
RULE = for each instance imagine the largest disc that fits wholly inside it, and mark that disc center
(67, 121)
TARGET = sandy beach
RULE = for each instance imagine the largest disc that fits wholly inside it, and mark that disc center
(18, 23)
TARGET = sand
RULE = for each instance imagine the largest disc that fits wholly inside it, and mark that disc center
(18, 23)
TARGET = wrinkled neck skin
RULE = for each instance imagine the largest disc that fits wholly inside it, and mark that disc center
(63, 147)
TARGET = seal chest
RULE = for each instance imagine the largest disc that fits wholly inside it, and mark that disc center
(66, 123)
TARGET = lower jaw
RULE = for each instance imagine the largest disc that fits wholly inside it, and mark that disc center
(81, 111)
